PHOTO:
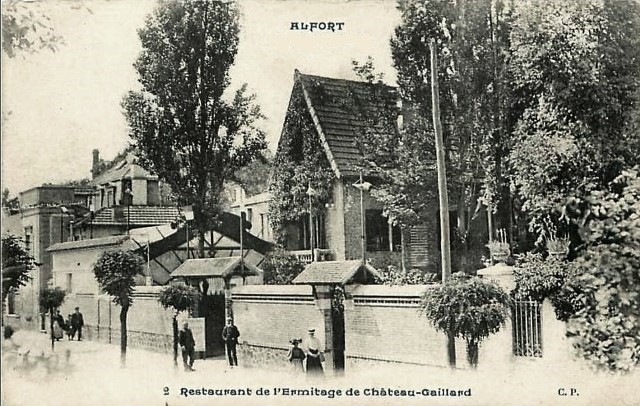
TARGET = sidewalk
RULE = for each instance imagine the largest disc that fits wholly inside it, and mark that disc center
(92, 375)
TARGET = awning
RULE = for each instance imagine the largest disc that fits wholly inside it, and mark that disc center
(336, 273)
(214, 268)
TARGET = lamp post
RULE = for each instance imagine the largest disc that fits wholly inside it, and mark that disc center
(362, 186)
(311, 192)
(129, 193)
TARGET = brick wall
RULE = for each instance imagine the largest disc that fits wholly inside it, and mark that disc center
(148, 324)
(383, 326)
(268, 316)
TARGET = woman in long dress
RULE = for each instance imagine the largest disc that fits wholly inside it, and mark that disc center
(57, 330)
(313, 354)
(296, 357)
(58, 325)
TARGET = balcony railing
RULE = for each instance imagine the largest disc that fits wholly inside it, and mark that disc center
(306, 256)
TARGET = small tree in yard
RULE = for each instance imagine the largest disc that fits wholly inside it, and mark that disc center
(115, 272)
(466, 307)
(181, 298)
(16, 264)
(281, 267)
(50, 300)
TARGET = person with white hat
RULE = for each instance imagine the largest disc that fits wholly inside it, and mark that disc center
(314, 354)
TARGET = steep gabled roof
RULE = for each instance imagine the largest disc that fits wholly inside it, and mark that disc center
(331, 103)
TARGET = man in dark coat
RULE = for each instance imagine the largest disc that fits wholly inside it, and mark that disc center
(230, 334)
(77, 322)
(188, 345)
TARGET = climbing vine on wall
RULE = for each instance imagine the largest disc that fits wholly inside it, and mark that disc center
(300, 161)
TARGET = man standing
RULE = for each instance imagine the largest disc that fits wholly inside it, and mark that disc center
(188, 345)
(77, 322)
(230, 334)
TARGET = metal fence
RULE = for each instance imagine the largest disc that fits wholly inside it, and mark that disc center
(527, 328)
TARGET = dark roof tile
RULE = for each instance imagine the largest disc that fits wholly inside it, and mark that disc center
(329, 98)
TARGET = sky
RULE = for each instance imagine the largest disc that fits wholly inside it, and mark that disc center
(59, 106)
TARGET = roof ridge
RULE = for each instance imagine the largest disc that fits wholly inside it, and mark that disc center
(345, 80)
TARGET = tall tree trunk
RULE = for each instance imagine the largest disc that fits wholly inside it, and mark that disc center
(472, 353)
(123, 335)
(175, 339)
(451, 349)
(445, 243)
(53, 340)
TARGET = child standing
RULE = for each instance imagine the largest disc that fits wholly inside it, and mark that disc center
(296, 356)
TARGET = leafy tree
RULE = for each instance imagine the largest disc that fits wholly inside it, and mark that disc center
(16, 264)
(50, 299)
(606, 328)
(9, 203)
(26, 29)
(574, 79)
(180, 298)
(391, 275)
(281, 267)
(182, 126)
(254, 178)
(115, 272)
(472, 42)
(300, 162)
(466, 307)
(539, 279)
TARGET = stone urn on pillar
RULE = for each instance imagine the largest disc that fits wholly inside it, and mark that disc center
(500, 251)
(558, 247)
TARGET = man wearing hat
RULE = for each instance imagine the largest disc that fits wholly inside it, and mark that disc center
(230, 334)
(187, 345)
(77, 322)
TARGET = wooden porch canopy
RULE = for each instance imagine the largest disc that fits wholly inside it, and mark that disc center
(337, 273)
(224, 268)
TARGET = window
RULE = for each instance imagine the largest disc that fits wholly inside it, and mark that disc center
(527, 328)
(11, 303)
(380, 235)
(69, 284)
(110, 197)
(249, 215)
(262, 230)
(28, 231)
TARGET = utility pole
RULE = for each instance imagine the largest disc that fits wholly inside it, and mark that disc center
(445, 245)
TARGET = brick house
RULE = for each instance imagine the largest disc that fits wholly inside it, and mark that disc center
(337, 226)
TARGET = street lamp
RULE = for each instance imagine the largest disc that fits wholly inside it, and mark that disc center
(311, 192)
(362, 186)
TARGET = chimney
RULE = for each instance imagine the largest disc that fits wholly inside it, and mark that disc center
(96, 161)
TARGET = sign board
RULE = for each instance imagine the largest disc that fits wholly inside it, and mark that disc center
(197, 328)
